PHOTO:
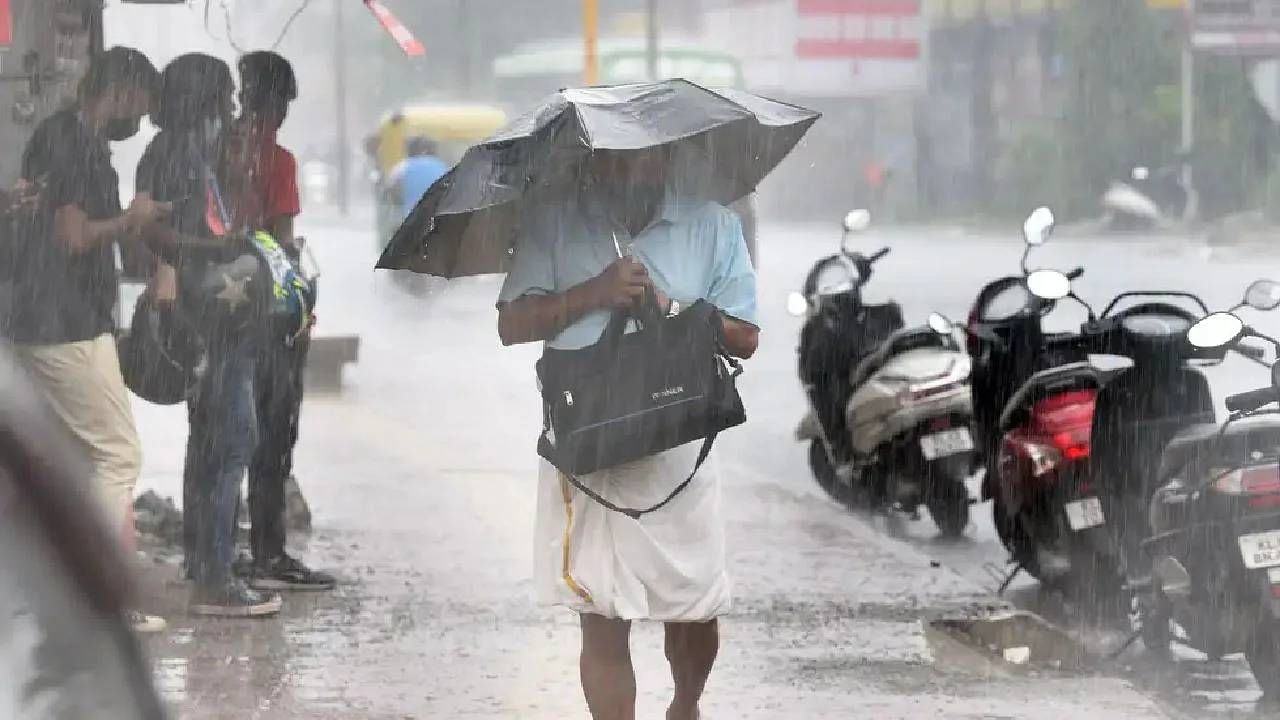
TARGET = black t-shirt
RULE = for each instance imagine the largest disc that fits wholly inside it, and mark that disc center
(59, 297)
(174, 169)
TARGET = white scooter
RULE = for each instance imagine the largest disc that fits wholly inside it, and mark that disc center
(1149, 201)
(890, 407)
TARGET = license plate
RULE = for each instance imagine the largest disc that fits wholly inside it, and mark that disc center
(1261, 550)
(1085, 514)
(947, 442)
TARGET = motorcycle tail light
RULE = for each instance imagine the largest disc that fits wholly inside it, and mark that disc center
(1067, 418)
(1073, 444)
(1040, 457)
(953, 378)
(1260, 483)
(916, 393)
(1044, 458)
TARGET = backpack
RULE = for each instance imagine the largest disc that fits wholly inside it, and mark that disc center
(290, 296)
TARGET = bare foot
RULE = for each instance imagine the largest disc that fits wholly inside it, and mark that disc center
(672, 714)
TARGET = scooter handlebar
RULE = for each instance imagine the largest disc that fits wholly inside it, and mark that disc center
(877, 255)
(1250, 351)
(1252, 400)
(1075, 274)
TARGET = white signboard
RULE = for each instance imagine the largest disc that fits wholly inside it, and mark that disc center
(1236, 27)
(826, 48)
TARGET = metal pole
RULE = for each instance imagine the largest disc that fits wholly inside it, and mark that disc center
(340, 101)
(590, 33)
(1188, 126)
(651, 39)
(464, 32)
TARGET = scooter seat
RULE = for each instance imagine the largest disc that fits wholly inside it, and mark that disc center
(900, 342)
(1197, 447)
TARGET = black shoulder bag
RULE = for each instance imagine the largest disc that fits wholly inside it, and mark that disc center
(632, 395)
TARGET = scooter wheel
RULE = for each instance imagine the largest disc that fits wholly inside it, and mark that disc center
(823, 471)
(1263, 654)
(949, 507)
(1156, 633)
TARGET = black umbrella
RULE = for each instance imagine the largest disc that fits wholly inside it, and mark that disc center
(468, 222)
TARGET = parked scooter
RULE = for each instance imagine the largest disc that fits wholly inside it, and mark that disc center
(1148, 200)
(891, 409)
(1215, 522)
(1137, 411)
(1034, 397)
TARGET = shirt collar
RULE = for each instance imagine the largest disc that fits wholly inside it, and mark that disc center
(673, 209)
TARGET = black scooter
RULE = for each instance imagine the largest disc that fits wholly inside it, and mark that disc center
(1137, 411)
(1215, 521)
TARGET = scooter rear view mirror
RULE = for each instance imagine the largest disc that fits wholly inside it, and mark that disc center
(1263, 295)
(1214, 331)
(940, 324)
(857, 221)
(1049, 284)
(1038, 226)
(797, 304)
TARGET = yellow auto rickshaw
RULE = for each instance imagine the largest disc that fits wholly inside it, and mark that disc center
(453, 128)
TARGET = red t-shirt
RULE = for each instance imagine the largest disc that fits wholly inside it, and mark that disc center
(269, 186)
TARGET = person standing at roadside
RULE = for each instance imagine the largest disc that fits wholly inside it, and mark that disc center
(262, 178)
(209, 281)
(566, 281)
(64, 273)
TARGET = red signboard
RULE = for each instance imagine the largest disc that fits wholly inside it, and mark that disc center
(859, 29)
(6, 23)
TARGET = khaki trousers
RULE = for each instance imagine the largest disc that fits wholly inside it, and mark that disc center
(83, 385)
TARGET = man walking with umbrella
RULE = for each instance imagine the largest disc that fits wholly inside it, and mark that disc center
(562, 290)
(607, 200)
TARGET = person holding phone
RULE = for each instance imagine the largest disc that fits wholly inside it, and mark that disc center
(210, 275)
(64, 273)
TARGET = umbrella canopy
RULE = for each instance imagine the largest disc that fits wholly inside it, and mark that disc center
(468, 222)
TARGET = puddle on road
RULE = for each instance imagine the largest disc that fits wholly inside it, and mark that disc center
(1007, 641)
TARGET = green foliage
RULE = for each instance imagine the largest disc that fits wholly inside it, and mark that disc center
(1031, 171)
(1119, 111)
(1122, 108)
(1234, 138)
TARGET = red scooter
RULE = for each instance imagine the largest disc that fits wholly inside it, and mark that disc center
(1034, 396)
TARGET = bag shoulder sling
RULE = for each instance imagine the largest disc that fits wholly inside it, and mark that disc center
(632, 395)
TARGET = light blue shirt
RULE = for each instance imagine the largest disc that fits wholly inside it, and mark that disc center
(416, 176)
(694, 250)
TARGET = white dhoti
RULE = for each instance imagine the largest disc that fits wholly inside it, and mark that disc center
(667, 566)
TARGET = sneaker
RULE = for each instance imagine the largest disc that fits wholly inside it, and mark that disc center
(234, 600)
(287, 573)
(145, 624)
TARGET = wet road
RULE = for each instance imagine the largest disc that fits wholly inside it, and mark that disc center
(421, 479)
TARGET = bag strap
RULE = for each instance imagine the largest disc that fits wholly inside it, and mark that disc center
(637, 513)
